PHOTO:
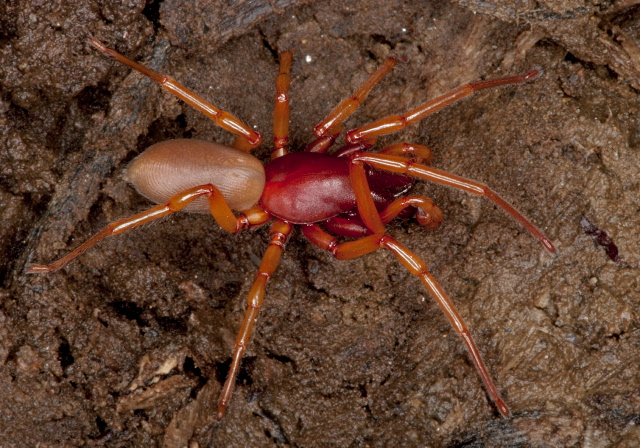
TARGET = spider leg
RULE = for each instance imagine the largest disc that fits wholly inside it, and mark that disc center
(280, 231)
(219, 210)
(366, 207)
(330, 128)
(401, 165)
(247, 138)
(418, 153)
(395, 123)
(413, 263)
(281, 111)
(426, 213)
(363, 246)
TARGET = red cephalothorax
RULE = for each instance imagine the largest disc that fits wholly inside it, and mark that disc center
(307, 187)
(348, 193)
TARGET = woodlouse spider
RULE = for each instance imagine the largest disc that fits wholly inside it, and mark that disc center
(350, 193)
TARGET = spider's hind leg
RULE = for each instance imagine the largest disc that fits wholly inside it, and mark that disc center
(280, 231)
(217, 205)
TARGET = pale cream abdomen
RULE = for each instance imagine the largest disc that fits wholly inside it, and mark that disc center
(173, 166)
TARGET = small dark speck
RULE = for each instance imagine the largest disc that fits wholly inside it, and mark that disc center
(601, 238)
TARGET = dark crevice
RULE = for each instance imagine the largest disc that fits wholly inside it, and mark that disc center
(192, 370)
(130, 311)
(64, 354)
(229, 290)
(272, 50)
(277, 432)
(173, 326)
(152, 13)
(8, 25)
(101, 424)
(244, 375)
(280, 358)
(569, 57)
(381, 39)
(94, 99)
(246, 370)
(103, 432)
(615, 336)
(18, 114)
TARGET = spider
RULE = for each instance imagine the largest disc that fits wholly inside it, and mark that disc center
(349, 193)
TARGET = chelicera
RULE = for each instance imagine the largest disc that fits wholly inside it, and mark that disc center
(349, 193)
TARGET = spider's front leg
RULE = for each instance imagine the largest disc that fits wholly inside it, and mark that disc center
(403, 166)
(328, 130)
(247, 138)
(395, 123)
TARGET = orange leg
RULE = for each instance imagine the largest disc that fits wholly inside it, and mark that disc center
(280, 231)
(397, 122)
(281, 110)
(401, 165)
(351, 104)
(329, 128)
(219, 209)
(363, 246)
(247, 137)
(322, 144)
(366, 207)
(379, 239)
(419, 153)
(427, 214)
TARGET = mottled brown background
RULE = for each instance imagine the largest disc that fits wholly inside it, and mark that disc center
(128, 345)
